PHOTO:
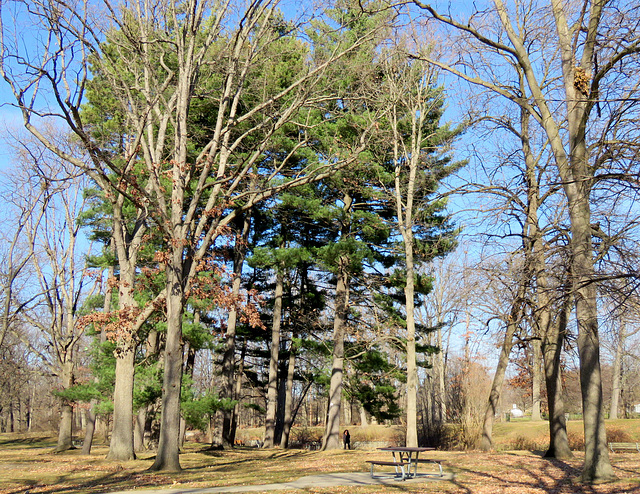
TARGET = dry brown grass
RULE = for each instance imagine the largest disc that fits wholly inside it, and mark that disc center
(27, 466)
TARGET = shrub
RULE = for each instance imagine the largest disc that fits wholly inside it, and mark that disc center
(618, 436)
(576, 441)
(305, 435)
(522, 443)
(463, 436)
(436, 434)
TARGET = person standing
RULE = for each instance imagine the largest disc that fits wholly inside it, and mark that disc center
(346, 439)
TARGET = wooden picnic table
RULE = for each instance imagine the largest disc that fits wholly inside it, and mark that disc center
(407, 456)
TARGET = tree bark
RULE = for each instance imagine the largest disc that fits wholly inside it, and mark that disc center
(224, 436)
(441, 375)
(121, 444)
(126, 246)
(140, 421)
(89, 430)
(167, 457)
(331, 438)
(486, 442)
(412, 368)
(65, 430)
(536, 373)
(617, 369)
(570, 152)
(238, 392)
(272, 390)
(552, 341)
(288, 401)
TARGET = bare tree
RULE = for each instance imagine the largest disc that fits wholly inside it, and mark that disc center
(54, 194)
(585, 44)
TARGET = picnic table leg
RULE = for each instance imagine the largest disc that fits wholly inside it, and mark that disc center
(403, 473)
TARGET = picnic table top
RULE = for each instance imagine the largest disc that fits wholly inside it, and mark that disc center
(406, 449)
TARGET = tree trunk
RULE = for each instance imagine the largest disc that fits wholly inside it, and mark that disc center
(224, 435)
(363, 417)
(577, 179)
(288, 401)
(412, 368)
(65, 431)
(272, 390)
(597, 466)
(440, 375)
(121, 445)
(167, 457)
(553, 338)
(91, 416)
(332, 438)
(536, 373)
(139, 429)
(617, 369)
(89, 430)
(282, 392)
(237, 394)
(486, 442)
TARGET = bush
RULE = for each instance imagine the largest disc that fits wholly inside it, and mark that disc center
(302, 436)
(522, 443)
(618, 436)
(576, 441)
(463, 436)
(436, 434)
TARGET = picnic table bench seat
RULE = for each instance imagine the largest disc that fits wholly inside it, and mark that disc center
(624, 447)
(396, 464)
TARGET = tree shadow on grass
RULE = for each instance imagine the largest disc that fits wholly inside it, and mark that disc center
(533, 473)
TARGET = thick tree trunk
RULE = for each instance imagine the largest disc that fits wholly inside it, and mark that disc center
(363, 417)
(597, 466)
(552, 340)
(551, 350)
(121, 445)
(332, 438)
(577, 177)
(272, 390)
(65, 430)
(167, 457)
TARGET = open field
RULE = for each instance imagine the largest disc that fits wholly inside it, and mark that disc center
(28, 466)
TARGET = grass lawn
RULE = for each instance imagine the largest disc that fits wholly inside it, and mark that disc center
(28, 466)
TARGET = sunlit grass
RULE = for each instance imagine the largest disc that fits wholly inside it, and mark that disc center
(27, 464)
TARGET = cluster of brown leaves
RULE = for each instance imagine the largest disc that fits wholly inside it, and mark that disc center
(117, 325)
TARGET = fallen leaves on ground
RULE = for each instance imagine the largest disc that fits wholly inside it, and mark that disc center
(34, 470)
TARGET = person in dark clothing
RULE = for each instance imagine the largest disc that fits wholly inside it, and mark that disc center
(346, 439)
